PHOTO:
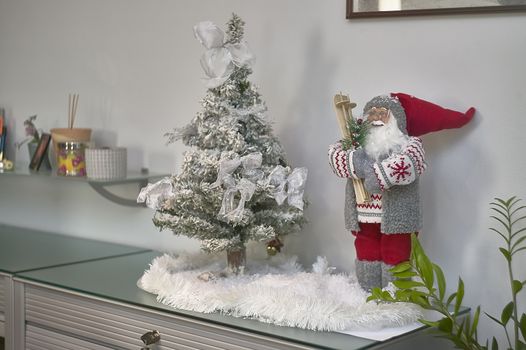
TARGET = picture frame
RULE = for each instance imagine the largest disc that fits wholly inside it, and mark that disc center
(38, 157)
(394, 8)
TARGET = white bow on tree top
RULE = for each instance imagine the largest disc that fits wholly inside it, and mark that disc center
(220, 58)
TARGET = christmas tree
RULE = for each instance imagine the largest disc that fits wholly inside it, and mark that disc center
(235, 184)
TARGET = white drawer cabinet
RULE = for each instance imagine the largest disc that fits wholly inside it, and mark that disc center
(97, 305)
(67, 320)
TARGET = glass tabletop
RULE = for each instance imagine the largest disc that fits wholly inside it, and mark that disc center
(23, 249)
(116, 279)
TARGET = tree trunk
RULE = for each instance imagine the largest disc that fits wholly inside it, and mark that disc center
(236, 259)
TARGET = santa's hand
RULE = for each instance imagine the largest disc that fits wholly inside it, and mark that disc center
(339, 160)
(401, 168)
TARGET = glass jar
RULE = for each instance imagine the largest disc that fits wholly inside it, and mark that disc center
(71, 159)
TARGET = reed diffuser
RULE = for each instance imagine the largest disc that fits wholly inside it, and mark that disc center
(71, 133)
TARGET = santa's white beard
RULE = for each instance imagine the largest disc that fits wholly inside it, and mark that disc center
(385, 140)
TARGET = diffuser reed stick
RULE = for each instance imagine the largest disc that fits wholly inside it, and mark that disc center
(73, 100)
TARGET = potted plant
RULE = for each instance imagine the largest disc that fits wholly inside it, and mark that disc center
(421, 282)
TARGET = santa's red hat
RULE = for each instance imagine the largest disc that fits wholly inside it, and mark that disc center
(423, 117)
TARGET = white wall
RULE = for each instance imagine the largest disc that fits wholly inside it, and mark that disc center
(136, 67)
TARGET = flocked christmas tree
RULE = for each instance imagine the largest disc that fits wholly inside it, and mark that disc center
(235, 184)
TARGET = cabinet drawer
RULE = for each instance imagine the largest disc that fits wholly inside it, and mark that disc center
(43, 339)
(120, 327)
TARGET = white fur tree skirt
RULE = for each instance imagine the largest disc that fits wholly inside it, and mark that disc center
(276, 291)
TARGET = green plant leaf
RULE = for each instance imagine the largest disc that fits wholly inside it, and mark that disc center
(376, 294)
(506, 226)
(516, 286)
(403, 295)
(467, 325)
(429, 323)
(405, 274)
(506, 254)
(506, 313)
(494, 318)
(518, 250)
(460, 328)
(458, 343)
(502, 235)
(517, 232)
(522, 326)
(426, 269)
(451, 298)
(504, 214)
(420, 300)
(494, 344)
(521, 346)
(517, 220)
(407, 284)
(406, 265)
(517, 209)
(475, 322)
(387, 296)
(517, 242)
(512, 201)
(441, 281)
(445, 325)
(460, 295)
(500, 203)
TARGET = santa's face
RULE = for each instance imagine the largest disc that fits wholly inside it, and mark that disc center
(384, 137)
(378, 116)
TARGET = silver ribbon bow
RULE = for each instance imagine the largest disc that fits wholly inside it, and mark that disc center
(154, 195)
(288, 185)
(246, 186)
(257, 111)
(220, 58)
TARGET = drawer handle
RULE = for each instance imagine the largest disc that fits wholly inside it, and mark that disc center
(152, 337)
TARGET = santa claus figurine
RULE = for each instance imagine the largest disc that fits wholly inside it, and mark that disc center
(389, 164)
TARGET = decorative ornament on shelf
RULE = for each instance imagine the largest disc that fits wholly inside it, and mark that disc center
(236, 184)
(33, 138)
(71, 134)
(32, 134)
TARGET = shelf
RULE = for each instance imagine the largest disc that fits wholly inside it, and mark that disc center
(100, 186)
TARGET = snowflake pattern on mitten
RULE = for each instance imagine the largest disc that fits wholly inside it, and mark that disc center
(402, 168)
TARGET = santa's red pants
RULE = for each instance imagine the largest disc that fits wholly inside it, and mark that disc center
(373, 245)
